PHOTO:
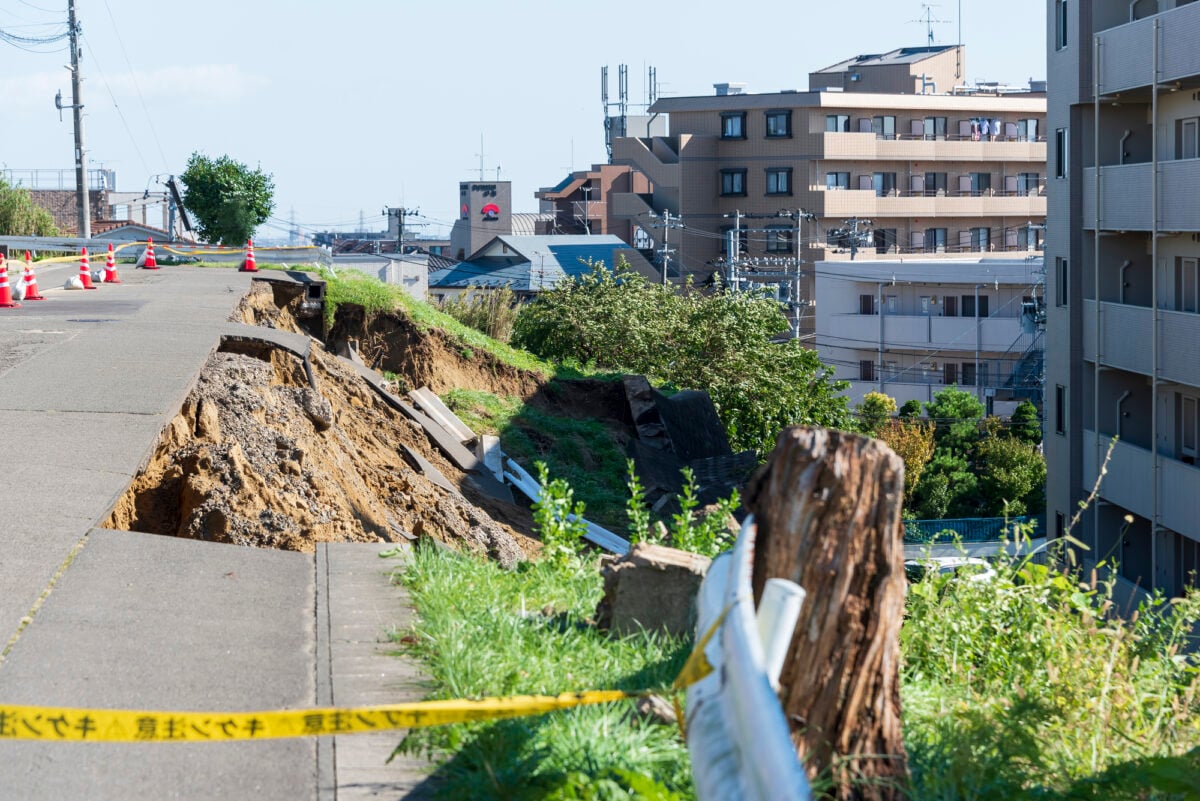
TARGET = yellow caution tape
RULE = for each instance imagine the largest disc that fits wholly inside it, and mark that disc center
(127, 726)
(697, 665)
(97, 257)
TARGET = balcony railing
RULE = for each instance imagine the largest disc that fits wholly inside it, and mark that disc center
(1129, 482)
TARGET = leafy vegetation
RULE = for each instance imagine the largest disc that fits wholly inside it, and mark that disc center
(1029, 687)
(721, 343)
(483, 631)
(19, 216)
(912, 440)
(875, 412)
(227, 199)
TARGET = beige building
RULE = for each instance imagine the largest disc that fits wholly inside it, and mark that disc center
(1123, 275)
(900, 159)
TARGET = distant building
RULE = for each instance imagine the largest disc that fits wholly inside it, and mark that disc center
(410, 270)
(911, 328)
(891, 154)
(580, 202)
(1123, 274)
(529, 264)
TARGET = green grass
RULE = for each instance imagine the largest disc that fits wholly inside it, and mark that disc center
(483, 631)
(1027, 687)
(584, 452)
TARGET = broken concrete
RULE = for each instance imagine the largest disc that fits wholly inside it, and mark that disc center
(654, 588)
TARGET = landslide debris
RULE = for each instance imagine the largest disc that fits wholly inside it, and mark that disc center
(259, 457)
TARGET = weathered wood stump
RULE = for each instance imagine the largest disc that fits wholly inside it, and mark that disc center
(827, 505)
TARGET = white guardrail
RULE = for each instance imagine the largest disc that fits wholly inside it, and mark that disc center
(517, 476)
(736, 731)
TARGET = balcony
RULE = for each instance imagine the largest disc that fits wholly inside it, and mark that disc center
(866, 146)
(867, 203)
(1126, 51)
(1129, 483)
(1126, 340)
(926, 332)
(1125, 196)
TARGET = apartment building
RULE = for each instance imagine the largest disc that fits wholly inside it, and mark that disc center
(580, 202)
(911, 328)
(1123, 275)
(916, 163)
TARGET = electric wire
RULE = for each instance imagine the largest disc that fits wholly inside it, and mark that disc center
(120, 113)
(138, 88)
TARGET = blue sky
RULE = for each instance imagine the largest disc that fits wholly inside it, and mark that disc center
(366, 103)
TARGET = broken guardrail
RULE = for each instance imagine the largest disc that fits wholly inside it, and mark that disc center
(736, 730)
(517, 476)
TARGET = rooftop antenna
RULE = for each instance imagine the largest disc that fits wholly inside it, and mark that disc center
(958, 50)
(480, 154)
(928, 20)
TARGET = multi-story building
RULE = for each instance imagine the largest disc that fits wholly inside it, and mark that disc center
(1123, 275)
(895, 169)
(580, 202)
(911, 328)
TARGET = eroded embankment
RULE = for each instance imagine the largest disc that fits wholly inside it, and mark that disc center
(257, 456)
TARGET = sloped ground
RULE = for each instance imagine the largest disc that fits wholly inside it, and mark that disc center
(258, 457)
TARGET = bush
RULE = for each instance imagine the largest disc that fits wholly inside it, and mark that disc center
(875, 412)
(491, 312)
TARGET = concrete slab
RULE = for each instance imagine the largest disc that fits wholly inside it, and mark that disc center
(150, 622)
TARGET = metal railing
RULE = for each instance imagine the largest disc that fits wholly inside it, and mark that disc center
(965, 529)
(736, 730)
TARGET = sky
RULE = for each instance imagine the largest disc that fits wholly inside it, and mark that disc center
(362, 104)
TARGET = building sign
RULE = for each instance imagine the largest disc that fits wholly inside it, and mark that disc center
(490, 212)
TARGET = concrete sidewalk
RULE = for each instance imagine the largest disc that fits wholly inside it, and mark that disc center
(87, 381)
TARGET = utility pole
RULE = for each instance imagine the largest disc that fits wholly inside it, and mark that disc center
(801, 216)
(735, 248)
(81, 185)
(667, 224)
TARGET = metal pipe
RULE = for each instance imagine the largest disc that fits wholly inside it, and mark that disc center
(978, 343)
(879, 311)
(1121, 150)
(1154, 313)
(1096, 368)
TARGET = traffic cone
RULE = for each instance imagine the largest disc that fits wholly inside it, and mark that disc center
(148, 261)
(85, 274)
(30, 280)
(249, 266)
(110, 267)
(6, 298)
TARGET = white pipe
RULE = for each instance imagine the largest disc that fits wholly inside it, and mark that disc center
(777, 613)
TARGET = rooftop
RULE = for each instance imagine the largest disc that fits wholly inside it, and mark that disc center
(901, 55)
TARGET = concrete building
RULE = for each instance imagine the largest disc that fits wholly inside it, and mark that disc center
(1122, 251)
(909, 328)
(894, 170)
(580, 202)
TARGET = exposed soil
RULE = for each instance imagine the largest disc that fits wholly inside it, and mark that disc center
(258, 457)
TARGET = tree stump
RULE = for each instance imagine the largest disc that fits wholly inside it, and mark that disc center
(827, 504)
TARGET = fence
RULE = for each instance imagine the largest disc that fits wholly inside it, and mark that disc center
(965, 529)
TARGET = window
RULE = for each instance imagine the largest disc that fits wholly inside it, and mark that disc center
(1028, 183)
(733, 182)
(1187, 138)
(779, 124)
(1187, 427)
(884, 183)
(733, 125)
(1060, 24)
(839, 123)
(779, 181)
(866, 370)
(949, 373)
(1060, 409)
(866, 304)
(1060, 525)
(935, 183)
(1062, 276)
(1027, 129)
(978, 183)
(935, 128)
(1060, 153)
(837, 180)
(884, 127)
(935, 240)
(968, 305)
(779, 239)
(949, 306)
(885, 239)
(1029, 237)
(968, 374)
(981, 239)
(1187, 285)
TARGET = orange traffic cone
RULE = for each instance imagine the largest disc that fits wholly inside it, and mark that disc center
(6, 298)
(30, 280)
(85, 274)
(110, 267)
(249, 266)
(148, 261)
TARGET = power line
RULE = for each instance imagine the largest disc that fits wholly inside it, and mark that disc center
(121, 114)
(136, 86)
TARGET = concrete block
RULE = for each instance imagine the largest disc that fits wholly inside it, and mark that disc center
(652, 587)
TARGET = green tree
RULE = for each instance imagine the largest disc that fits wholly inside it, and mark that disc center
(910, 409)
(948, 488)
(912, 440)
(20, 217)
(956, 415)
(1026, 424)
(722, 343)
(1012, 477)
(227, 199)
(875, 412)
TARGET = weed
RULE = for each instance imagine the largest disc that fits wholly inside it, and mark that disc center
(558, 519)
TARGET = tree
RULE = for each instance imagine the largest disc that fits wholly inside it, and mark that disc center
(910, 410)
(875, 412)
(947, 489)
(912, 440)
(1026, 424)
(956, 415)
(20, 217)
(1012, 476)
(227, 199)
(722, 343)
